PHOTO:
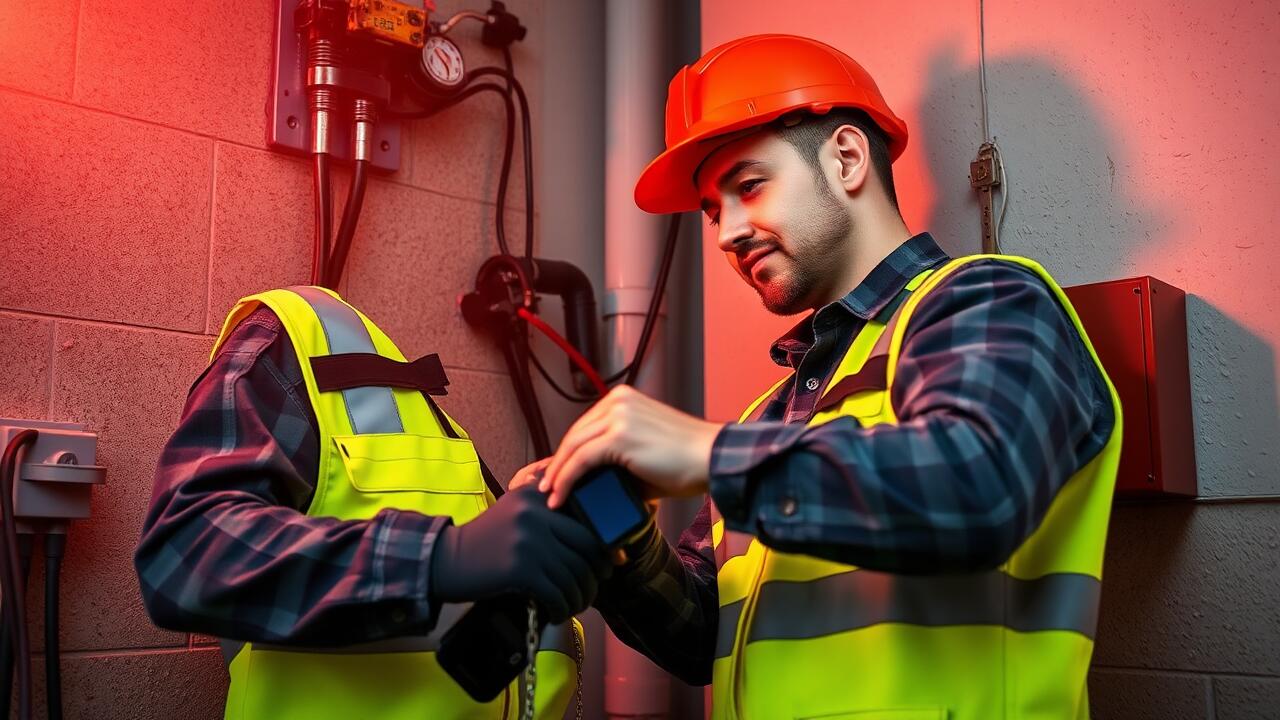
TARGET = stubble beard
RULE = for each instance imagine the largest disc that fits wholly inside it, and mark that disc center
(817, 243)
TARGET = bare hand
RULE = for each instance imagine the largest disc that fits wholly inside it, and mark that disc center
(528, 474)
(670, 451)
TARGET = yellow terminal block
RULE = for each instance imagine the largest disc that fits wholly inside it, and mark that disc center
(390, 20)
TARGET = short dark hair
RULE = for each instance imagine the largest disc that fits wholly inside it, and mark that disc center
(808, 135)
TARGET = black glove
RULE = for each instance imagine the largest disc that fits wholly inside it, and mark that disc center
(520, 546)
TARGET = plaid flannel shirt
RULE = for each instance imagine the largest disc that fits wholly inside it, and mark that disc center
(227, 548)
(999, 404)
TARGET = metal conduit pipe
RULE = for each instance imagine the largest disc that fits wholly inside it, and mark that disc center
(635, 92)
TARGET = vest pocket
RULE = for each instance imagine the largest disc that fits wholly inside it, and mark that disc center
(403, 462)
(429, 475)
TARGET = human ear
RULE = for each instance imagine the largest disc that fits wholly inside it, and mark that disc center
(853, 157)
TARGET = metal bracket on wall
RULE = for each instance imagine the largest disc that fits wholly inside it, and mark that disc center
(984, 176)
(289, 123)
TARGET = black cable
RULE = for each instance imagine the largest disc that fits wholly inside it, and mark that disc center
(526, 134)
(324, 217)
(54, 544)
(6, 643)
(571, 397)
(650, 320)
(466, 92)
(632, 369)
(15, 583)
(347, 230)
(504, 174)
(520, 355)
(515, 351)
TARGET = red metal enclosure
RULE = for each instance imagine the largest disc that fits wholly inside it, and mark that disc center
(1139, 328)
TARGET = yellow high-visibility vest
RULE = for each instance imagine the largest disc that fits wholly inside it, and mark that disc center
(801, 637)
(380, 447)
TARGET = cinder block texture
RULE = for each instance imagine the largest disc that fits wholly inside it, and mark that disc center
(183, 685)
(203, 66)
(38, 47)
(129, 386)
(1244, 698)
(413, 255)
(478, 124)
(25, 345)
(139, 203)
(1193, 588)
(1234, 403)
(262, 226)
(485, 405)
(104, 218)
(1126, 695)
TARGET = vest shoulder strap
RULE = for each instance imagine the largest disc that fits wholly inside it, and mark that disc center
(320, 324)
(755, 404)
(942, 273)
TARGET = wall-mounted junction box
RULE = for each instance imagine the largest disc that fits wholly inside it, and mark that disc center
(1139, 328)
(288, 119)
(56, 474)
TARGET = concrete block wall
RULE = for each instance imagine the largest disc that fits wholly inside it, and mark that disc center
(138, 201)
(1139, 138)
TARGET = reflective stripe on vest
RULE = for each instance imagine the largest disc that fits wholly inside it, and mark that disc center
(1061, 601)
(803, 637)
(555, 638)
(371, 409)
(380, 447)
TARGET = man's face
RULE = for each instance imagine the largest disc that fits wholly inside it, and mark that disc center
(781, 227)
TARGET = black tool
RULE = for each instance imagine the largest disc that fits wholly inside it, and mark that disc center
(487, 649)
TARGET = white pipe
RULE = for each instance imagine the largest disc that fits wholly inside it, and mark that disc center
(635, 92)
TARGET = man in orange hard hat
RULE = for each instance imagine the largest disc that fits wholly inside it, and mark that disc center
(910, 524)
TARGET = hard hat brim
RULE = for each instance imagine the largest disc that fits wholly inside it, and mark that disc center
(667, 184)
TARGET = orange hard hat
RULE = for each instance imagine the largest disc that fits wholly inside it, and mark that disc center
(746, 83)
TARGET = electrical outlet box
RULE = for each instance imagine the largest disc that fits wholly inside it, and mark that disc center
(56, 474)
(1139, 328)
(289, 122)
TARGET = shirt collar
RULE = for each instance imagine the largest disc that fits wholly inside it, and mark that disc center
(873, 294)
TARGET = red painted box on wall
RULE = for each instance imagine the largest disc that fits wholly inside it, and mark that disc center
(1139, 328)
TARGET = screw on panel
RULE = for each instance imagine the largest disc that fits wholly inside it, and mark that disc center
(385, 146)
(292, 122)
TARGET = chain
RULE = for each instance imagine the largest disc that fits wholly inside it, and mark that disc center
(531, 670)
(577, 651)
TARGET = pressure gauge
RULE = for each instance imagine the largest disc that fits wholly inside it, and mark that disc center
(442, 64)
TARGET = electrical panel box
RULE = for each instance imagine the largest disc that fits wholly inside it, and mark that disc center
(1139, 328)
(289, 122)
